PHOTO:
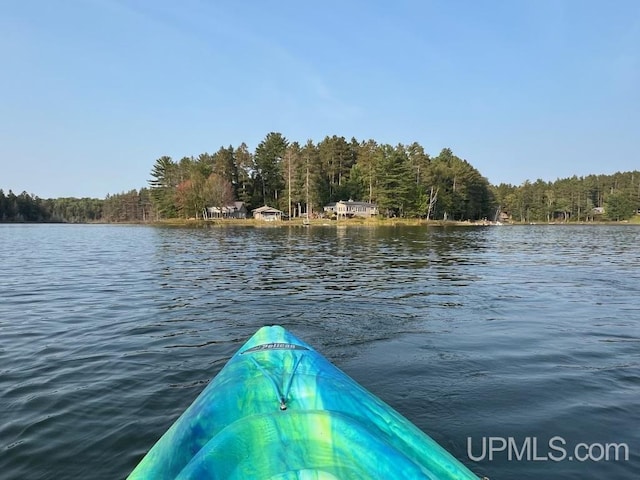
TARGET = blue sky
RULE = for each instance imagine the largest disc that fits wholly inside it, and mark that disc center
(94, 91)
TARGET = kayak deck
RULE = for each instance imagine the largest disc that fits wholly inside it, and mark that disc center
(280, 410)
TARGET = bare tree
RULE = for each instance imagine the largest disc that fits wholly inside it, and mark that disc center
(218, 192)
(433, 198)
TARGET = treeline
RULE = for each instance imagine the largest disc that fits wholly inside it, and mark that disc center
(609, 197)
(133, 206)
(403, 180)
(23, 208)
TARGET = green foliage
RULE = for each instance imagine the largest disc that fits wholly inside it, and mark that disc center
(268, 162)
(131, 206)
(23, 208)
(619, 206)
(355, 185)
(395, 192)
(336, 158)
(76, 210)
(571, 199)
(246, 168)
(316, 183)
(294, 173)
(463, 194)
(225, 165)
(163, 185)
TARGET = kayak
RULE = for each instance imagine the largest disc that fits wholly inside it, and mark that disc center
(279, 410)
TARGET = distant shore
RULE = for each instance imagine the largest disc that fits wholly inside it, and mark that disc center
(386, 222)
(324, 222)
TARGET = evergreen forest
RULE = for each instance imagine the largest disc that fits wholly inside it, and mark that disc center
(403, 180)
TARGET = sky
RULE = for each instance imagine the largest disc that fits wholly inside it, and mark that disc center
(92, 92)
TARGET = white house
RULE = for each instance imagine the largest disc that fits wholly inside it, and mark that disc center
(351, 209)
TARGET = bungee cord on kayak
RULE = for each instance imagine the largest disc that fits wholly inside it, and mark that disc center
(282, 395)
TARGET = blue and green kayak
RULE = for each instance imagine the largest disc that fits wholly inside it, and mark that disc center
(279, 410)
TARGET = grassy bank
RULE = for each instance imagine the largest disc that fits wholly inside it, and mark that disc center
(179, 222)
(370, 222)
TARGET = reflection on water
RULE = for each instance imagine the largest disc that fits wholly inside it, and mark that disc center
(107, 333)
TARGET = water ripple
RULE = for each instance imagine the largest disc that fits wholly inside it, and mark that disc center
(109, 332)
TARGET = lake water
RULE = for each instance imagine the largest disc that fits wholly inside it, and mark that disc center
(107, 333)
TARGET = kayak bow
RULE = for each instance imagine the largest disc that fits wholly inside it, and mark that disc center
(279, 410)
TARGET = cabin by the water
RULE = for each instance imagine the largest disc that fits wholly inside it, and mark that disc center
(268, 214)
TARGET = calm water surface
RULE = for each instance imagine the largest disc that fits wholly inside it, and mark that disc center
(107, 333)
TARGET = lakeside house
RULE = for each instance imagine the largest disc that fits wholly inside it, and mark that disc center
(268, 214)
(232, 210)
(503, 217)
(350, 209)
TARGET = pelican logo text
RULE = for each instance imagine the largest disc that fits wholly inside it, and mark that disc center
(275, 346)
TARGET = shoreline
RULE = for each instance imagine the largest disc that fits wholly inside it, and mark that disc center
(390, 222)
(323, 222)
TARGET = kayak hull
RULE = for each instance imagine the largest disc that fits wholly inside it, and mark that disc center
(280, 410)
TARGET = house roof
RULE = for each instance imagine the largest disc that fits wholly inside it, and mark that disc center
(266, 209)
(229, 208)
(362, 204)
(236, 205)
(351, 202)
